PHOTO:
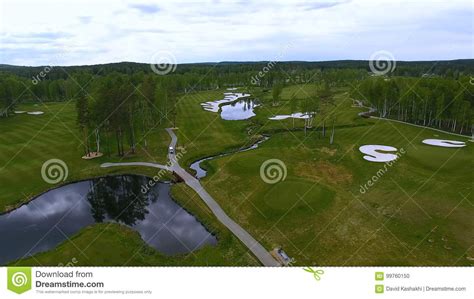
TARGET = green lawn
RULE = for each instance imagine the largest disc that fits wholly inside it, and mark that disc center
(204, 133)
(418, 213)
(28, 141)
(413, 215)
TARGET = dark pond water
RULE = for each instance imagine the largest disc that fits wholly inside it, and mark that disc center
(54, 216)
(238, 110)
(201, 172)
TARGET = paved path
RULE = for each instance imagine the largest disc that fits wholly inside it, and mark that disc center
(253, 245)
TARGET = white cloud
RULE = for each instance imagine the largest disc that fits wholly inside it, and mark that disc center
(88, 32)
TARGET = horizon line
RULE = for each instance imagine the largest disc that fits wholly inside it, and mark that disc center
(233, 61)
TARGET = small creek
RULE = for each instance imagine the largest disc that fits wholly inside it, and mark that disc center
(201, 172)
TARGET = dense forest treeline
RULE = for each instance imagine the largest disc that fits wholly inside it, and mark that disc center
(116, 110)
(117, 104)
(404, 68)
(49, 83)
(442, 103)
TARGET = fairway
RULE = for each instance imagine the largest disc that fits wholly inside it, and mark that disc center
(198, 127)
(27, 142)
(32, 140)
(409, 216)
(318, 213)
(298, 195)
(320, 210)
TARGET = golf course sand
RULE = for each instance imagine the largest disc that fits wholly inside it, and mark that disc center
(373, 155)
(298, 115)
(444, 142)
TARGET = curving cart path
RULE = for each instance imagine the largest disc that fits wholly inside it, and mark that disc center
(253, 245)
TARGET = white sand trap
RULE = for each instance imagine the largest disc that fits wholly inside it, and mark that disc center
(228, 97)
(232, 88)
(293, 115)
(35, 112)
(444, 143)
(20, 112)
(374, 156)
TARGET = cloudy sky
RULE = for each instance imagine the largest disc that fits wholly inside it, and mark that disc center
(71, 32)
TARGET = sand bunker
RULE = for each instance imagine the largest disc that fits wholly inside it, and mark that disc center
(374, 156)
(293, 115)
(444, 143)
(30, 112)
(228, 97)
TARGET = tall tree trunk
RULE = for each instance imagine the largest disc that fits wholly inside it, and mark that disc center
(331, 141)
(117, 136)
(86, 144)
(97, 140)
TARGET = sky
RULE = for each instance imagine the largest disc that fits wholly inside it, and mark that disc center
(72, 32)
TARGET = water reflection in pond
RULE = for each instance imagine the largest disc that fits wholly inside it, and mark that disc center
(54, 216)
(242, 109)
(214, 106)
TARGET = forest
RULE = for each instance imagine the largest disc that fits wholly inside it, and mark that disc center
(444, 103)
(122, 101)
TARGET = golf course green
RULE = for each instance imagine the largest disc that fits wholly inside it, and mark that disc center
(417, 212)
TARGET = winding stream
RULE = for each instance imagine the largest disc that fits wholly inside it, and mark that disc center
(201, 172)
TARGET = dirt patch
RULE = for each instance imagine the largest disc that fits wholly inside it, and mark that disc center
(326, 171)
(92, 155)
(330, 152)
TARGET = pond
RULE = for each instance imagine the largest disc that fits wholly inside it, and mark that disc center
(58, 214)
(214, 106)
(238, 110)
(234, 106)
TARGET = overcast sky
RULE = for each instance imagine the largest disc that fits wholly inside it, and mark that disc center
(71, 32)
